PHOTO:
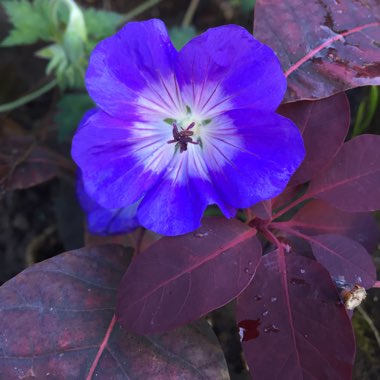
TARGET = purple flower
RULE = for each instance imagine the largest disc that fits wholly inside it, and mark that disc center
(101, 221)
(182, 130)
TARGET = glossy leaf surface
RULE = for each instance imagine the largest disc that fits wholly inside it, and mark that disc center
(56, 321)
(345, 259)
(324, 125)
(179, 279)
(318, 217)
(303, 332)
(324, 46)
(351, 181)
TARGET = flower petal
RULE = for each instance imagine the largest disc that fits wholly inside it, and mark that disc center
(130, 69)
(171, 208)
(176, 205)
(226, 67)
(120, 159)
(103, 221)
(259, 165)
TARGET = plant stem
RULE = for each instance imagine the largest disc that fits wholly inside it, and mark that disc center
(371, 325)
(291, 205)
(190, 13)
(139, 9)
(283, 226)
(139, 241)
(271, 237)
(29, 97)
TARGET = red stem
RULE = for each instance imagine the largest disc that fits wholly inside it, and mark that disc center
(282, 266)
(328, 42)
(273, 239)
(290, 206)
(139, 241)
(283, 227)
(101, 348)
(249, 215)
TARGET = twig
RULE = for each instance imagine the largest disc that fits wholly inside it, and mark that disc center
(29, 97)
(371, 325)
(190, 13)
(139, 9)
(36, 243)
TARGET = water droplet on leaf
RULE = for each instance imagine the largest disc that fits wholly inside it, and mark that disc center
(271, 328)
(201, 234)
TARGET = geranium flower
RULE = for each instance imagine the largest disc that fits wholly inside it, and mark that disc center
(102, 221)
(183, 130)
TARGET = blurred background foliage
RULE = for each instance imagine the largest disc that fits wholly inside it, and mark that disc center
(44, 50)
(69, 31)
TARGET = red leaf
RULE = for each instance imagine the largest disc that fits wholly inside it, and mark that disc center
(317, 217)
(324, 125)
(179, 279)
(351, 181)
(263, 209)
(23, 163)
(304, 332)
(287, 196)
(56, 321)
(345, 259)
(324, 46)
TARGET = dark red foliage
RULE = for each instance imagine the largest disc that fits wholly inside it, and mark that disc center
(56, 322)
(179, 279)
(303, 332)
(345, 259)
(262, 210)
(324, 46)
(24, 163)
(318, 217)
(288, 195)
(60, 319)
(324, 125)
(351, 181)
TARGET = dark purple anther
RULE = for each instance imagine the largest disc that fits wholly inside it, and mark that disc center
(183, 137)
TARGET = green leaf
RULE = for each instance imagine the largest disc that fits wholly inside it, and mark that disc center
(180, 36)
(366, 111)
(70, 112)
(213, 211)
(31, 22)
(169, 121)
(101, 24)
(247, 5)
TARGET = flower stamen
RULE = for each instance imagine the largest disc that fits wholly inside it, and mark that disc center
(183, 137)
